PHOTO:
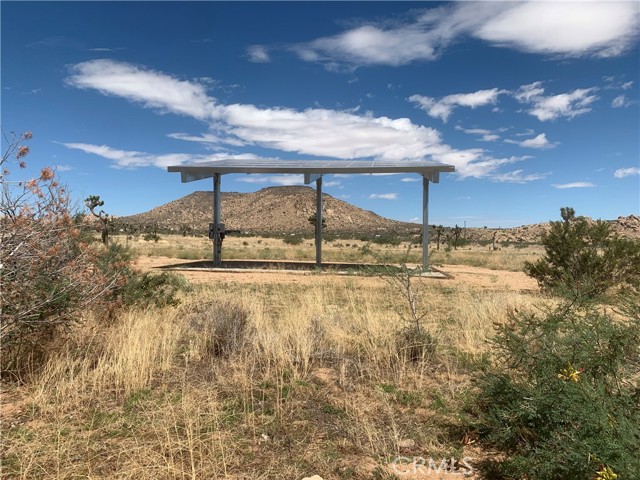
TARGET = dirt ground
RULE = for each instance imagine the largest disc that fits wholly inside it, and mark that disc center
(476, 277)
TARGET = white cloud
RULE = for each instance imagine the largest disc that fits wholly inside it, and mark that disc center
(602, 28)
(285, 179)
(370, 45)
(539, 141)
(63, 168)
(384, 196)
(562, 186)
(315, 131)
(485, 135)
(552, 107)
(443, 107)
(621, 101)
(410, 179)
(565, 29)
(332, 183)
(517, 176)
(152, 89)
(134, 159)
(258, 54)
(626, 172)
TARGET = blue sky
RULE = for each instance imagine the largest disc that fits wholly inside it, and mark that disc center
(535, 103)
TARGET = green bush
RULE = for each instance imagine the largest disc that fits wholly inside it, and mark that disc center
(561, 394)
(293, 240)
(154, 289)
(585, 260)
(151, 237)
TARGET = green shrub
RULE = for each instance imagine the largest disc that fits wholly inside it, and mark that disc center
(561, 395)
(293, 240)
(585, 259)
(387, 239)
(149, 237)
(149, 289)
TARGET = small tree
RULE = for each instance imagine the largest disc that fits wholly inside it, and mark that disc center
(456, 232)
(92, 202)
(439, 232)
(585, 260)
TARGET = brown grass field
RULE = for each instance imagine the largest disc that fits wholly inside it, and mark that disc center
(268, 375)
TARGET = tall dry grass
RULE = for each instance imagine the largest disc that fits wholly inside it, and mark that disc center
(253, 381)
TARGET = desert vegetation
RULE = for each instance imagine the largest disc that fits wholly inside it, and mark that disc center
(110, 371)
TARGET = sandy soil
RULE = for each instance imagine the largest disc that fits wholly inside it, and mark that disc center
(457, 274)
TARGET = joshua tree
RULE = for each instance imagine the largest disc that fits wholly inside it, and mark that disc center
(456, 232)
(439, 232)
(92, 202)
(567, 214)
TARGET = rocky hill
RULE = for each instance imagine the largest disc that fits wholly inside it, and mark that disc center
(272, 210)
(282, 210)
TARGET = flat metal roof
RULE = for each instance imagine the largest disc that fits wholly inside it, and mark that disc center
(197, 171)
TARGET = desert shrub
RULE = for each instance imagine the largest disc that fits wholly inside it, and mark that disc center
(415, 344)
(151, 237)
(154, 289)
(584, 259)
(387, 239)
(561, 395)
(219, 327)
(48, 274)
(293, 240)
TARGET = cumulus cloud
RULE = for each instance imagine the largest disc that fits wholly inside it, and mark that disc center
(564, 29)
(552, 107)
(562, 186)
(258, 54)
(443, 107)
(314, 131)
(384, 196)
(626, 172)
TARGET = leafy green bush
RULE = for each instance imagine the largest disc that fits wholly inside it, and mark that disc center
(561, 394)
(585, 259)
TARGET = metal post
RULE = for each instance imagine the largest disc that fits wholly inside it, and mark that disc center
(319, 222)
(425, 224)
(217, 242)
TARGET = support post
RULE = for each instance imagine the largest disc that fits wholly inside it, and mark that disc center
(319, 222)
(425, 224)
(217, 241)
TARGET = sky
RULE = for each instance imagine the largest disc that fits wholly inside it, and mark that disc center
(536, 104)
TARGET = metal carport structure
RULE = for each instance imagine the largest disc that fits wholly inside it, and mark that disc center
(313, 170)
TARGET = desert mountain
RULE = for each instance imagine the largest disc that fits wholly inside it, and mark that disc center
(272, 210)
(281, 210)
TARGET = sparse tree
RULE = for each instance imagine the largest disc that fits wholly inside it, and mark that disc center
(439, 232)
(456, 232)
(92, 202)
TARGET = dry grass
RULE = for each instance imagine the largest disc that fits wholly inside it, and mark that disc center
(343, 250)
(254, 381)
